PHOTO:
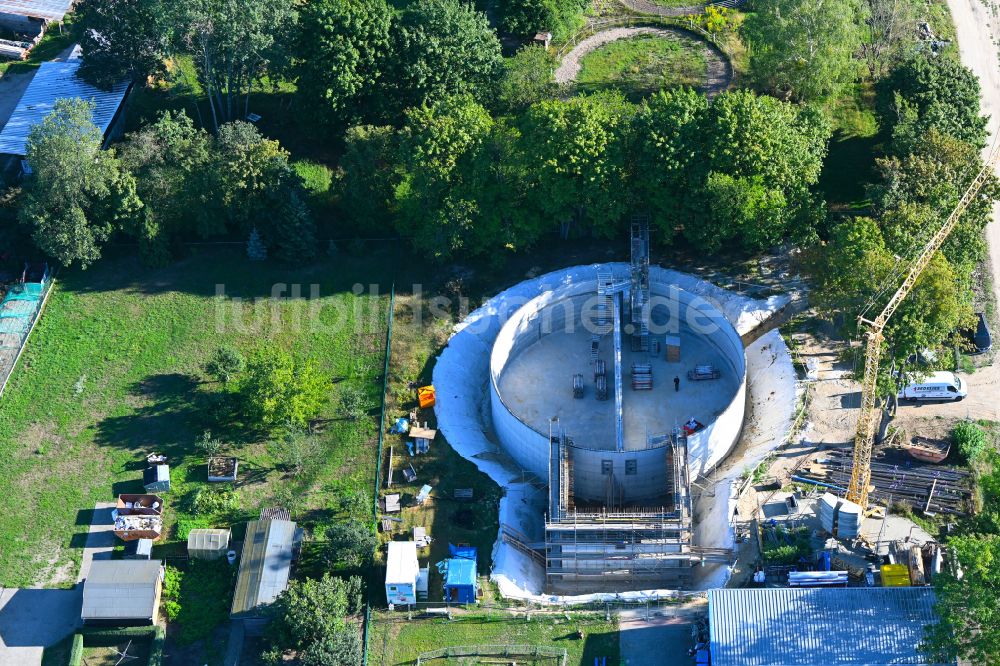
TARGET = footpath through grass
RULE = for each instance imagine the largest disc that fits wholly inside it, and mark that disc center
(114, 371)
(395, 640)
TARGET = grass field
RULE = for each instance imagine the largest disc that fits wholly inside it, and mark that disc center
(113, 372)
(395, 640)
(644, 64)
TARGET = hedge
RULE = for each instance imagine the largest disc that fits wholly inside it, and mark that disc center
(156, 648)
(76, 654)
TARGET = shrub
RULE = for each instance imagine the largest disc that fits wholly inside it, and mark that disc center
(185, 525)
(209, 502)
(970, 439)
(225, 364)
(172, 592)
(197, 599)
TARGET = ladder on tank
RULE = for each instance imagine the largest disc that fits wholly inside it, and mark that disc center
(602, 311)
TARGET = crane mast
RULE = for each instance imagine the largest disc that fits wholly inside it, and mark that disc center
(870, 417)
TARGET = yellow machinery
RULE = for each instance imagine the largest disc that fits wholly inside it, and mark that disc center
(870, 417)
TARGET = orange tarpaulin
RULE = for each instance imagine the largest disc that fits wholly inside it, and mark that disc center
(425, 396)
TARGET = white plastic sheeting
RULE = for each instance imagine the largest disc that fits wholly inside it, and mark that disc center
(462, 380)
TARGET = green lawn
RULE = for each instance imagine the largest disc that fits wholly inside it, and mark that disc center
(113, 372)
(52, 44)
(396, 640)
(644, 64)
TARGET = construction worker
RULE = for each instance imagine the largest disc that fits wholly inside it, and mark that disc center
(677, 384)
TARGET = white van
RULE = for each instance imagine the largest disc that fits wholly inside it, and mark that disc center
(935, 386)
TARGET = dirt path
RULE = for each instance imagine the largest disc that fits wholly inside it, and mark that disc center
(717, 77)
(978, 31)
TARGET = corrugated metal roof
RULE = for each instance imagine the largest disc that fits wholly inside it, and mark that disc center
(121, 589)
(53, 10)
(805, 627)
(53, 81)
(402, 565)
(264, 565)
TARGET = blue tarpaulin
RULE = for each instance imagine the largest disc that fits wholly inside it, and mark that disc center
(459, 573)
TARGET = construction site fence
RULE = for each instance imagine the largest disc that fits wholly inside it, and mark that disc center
(501, 610)
(366, 626)
(506, 651)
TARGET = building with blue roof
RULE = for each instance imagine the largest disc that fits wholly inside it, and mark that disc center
(854, 626)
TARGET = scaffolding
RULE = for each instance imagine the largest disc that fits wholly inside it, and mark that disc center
(639, 288)
(614, 547)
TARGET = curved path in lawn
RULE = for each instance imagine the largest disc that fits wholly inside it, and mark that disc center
(717, 77)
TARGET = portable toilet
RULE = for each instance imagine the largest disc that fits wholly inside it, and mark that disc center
(402, 570)
(459, 571)
(156, 479)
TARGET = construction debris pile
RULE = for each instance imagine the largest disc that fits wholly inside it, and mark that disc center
(932, 489)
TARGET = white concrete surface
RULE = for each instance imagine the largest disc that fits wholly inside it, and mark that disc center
(33, 619)
(462, 378)
(100, 538)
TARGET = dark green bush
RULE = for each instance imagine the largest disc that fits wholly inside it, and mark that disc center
(970, 439)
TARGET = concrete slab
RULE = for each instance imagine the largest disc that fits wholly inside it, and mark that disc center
(666, 638)
(100, 539)
(536, 385)
(31, 620)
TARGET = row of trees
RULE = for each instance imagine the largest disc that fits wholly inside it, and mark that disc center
(735, 172)
(929, 108)
(354, 60)
(165, 183)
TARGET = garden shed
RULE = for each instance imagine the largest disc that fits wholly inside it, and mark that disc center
(459, 571)
(122, 593)
(207, 544)
(265, 564)
(156, 479)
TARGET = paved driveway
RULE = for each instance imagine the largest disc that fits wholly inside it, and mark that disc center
(32, 619)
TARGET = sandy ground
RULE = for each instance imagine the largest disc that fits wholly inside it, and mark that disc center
(978, 31)
(717, 78)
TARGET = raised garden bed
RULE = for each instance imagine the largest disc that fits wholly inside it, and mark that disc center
(222, 469)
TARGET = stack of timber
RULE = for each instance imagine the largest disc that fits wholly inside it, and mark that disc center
(929, 488)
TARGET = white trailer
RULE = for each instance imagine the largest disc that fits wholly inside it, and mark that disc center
(402, 570)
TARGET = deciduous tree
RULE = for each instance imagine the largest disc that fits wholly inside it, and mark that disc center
(277, 389)
(574, 159)
(441, 48)
(78, 194)
(340, 56)
(803, 48)
(121, 39)
(924, 93)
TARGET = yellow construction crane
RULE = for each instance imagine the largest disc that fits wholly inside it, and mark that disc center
(869, 418)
